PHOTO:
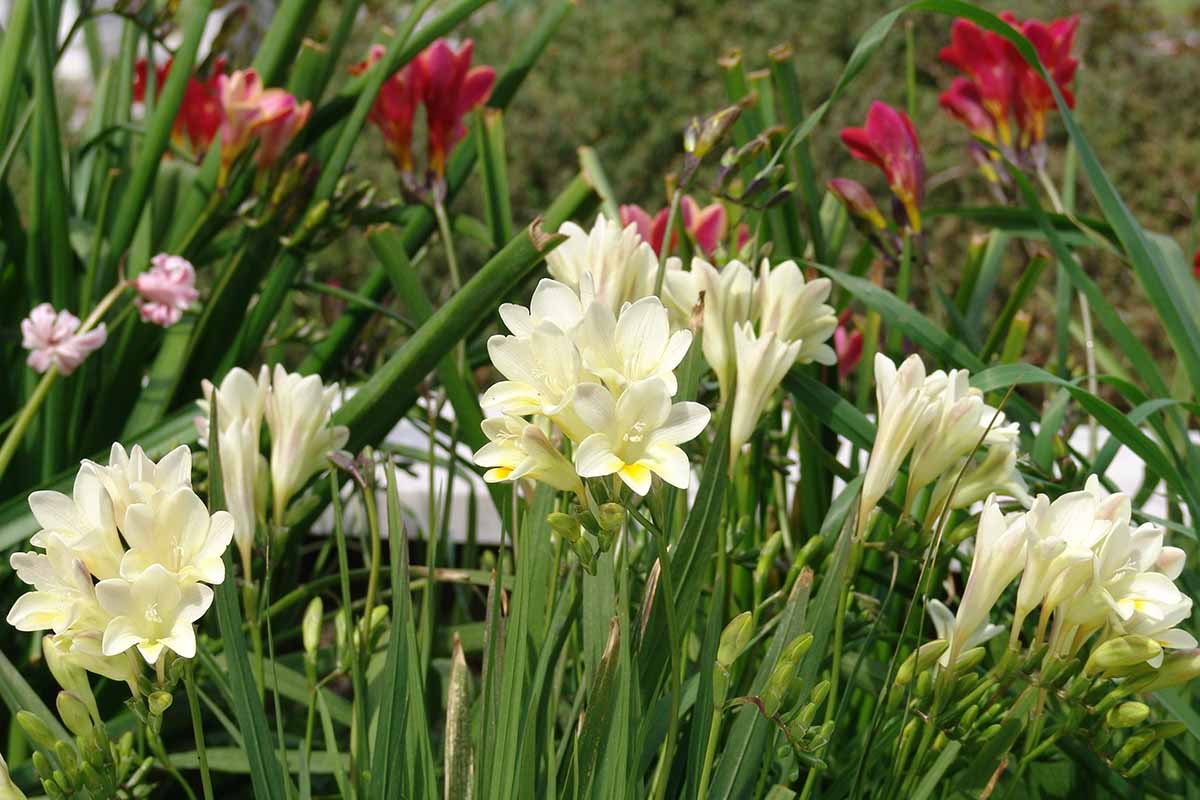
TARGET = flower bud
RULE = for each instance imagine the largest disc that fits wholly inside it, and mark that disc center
(1127, 715)
(1121, 652)
(970, 659)
(159, 702)
(819, 692)
(611, 516)
(70, 676)
(310, 628)
(1177, 668)
(924, 685)
(1148, 758)
(767, 555)
(701, 135)
(37, 731)
(920, 660)
(734, 638)
(564, 525)
(1133, 746)
(74, 713)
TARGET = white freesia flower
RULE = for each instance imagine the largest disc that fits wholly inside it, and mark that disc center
(728, 300)
(518, 449)
(152, 612)
(762, 361)
(298, 414)
(543, 370)
(176, 531)
(680, 292)
(623, 268)
(996, 473)
(943, 623)
(241, 403)
(63, 594)
(636, 435)
(1150, 604)
(903, 415)
(636, 345)
(133, 477)
(795, 310)
(83, 649)
(999, 557)
(552, 302)
(84, 522)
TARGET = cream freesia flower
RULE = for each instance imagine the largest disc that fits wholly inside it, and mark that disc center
(903, 415)
(999, 557)
(241, 403)
(63, 594)
(1150, 604)
(552, 302)
(133, 477)
(762, 361)
(944, 624)
(637, 434)
(152, 612)
(83, 648)
(518, 449)
(636, 345)
(795, 310)
(543, 371)
(996, 473)
(84, 522)
(298, 413)
(623, 268)
(175, 530)
(728, 300)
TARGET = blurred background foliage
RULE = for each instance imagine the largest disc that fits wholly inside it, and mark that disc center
(624, 76)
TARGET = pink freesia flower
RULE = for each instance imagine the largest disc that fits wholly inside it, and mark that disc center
(743, 236)
(651, 229)
(848, 344)
(889, 141)
(450, 89)
(705, 225)
(857, 200)
(395, 107)
(166, 290)
(283, 118)
(51, 339)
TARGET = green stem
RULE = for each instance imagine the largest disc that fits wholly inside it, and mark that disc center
(895, 337)
(443, 221)
(676, 198)
(710, 752)
(198, 729)
(664, 577)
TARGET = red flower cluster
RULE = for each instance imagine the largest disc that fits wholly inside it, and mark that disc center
(889, 141)
(199, 114)
(1001, 86)
(443, 80)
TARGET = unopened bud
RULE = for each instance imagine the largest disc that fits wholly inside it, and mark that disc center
(920, 660)
(1146, 761)
(1132, 747)
(1177, 668)
(310, 628)
(1127, 715)
(819, 692)
(70, 676)
(766, 556)
(564, 525)
(379, 617)
(74, 713)
(611, 516)
(702, 135)
(970, 659)
(1121, 652)
(36, 730)
(734, 638)
(159, 702)
(924, 685)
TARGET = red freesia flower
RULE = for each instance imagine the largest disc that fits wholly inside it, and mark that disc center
(889, 141)
(450, 89)
(199, 115)
(395, 107)
(963, 102)
(705, 225)
(1053, 43)
(991, 63)
(651, 229)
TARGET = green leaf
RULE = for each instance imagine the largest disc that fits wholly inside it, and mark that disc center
(931, 779)
(18, 695)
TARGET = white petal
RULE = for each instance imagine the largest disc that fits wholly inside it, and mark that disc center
(594, 457)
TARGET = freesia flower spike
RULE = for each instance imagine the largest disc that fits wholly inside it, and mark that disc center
(451, 89)
(395, 108)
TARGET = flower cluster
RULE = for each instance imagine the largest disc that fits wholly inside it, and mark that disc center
(753, 329)
(940, 420)
(126, 561)
(250, 113)
(440, 78)
(297, 409)
(199, 114)
(166, 290)
(597, 361)
(1088, 569)
(53, 339)
(1000, 86)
